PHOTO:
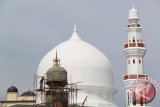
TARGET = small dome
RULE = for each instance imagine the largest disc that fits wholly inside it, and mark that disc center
(28, 93)
(12, 89)
(57, 74)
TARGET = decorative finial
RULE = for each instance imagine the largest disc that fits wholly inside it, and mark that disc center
(133, 6)
(56, 60)
(56, 55)
(75, 34)
(75, 28)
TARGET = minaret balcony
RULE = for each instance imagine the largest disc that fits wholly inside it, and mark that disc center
(134, 25)
(134, 45)
(134, 76)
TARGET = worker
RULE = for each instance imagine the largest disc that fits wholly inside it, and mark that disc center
(41, 83)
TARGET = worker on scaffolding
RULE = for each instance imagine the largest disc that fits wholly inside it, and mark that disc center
(41, 83)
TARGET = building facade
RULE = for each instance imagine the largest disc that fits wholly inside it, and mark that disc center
(13, 99)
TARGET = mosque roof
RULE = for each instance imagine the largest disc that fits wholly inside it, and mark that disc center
(28, 93)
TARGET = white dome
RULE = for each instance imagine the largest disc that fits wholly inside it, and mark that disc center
(83, 62)
(94, 101)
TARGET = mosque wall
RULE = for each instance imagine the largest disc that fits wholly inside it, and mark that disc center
(12, 96)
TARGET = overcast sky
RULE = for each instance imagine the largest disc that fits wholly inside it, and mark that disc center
(30, 28)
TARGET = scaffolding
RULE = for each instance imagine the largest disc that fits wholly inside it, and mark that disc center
(71, 90)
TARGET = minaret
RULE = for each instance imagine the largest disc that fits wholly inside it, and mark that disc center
(134, 49)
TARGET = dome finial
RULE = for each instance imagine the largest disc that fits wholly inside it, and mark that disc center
(56, 55)
(56, 60)
(133, 6)
(75, 28)
(75, 34)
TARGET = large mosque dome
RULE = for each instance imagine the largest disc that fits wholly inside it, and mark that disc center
(84, 63)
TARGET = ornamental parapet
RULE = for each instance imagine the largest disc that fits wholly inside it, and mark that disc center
(134, 25)
(134, 76)
(134, 45)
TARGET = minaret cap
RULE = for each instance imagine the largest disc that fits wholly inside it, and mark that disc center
(133, 13)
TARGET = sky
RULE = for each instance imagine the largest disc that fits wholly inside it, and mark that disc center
(30, 28)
